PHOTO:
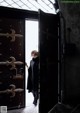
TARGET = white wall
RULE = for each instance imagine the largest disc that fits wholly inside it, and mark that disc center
(31, 28)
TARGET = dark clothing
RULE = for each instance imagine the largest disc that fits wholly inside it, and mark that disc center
(33, 75)
(33, 78)
(35, 94)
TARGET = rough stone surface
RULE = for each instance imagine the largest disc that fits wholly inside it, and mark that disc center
(71, 14)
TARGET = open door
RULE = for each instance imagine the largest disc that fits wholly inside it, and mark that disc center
(48, 47)
(12, 73)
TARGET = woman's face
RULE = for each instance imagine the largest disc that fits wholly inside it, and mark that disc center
(33, 55)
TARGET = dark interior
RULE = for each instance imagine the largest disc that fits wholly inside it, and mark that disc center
(59, 47)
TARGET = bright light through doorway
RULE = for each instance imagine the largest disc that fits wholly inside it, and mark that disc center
(31, 37)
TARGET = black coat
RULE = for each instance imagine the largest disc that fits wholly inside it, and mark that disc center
(33, 75)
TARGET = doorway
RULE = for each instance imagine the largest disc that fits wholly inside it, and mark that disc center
(31, 43)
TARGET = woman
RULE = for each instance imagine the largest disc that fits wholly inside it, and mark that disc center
(33, 76)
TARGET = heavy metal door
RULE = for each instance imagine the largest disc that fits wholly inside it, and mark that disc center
(48, 38)
(12, 62)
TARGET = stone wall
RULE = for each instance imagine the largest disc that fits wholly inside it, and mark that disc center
(71, 14)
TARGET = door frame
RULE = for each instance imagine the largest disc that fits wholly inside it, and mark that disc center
(17, 13)
(20, 14)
